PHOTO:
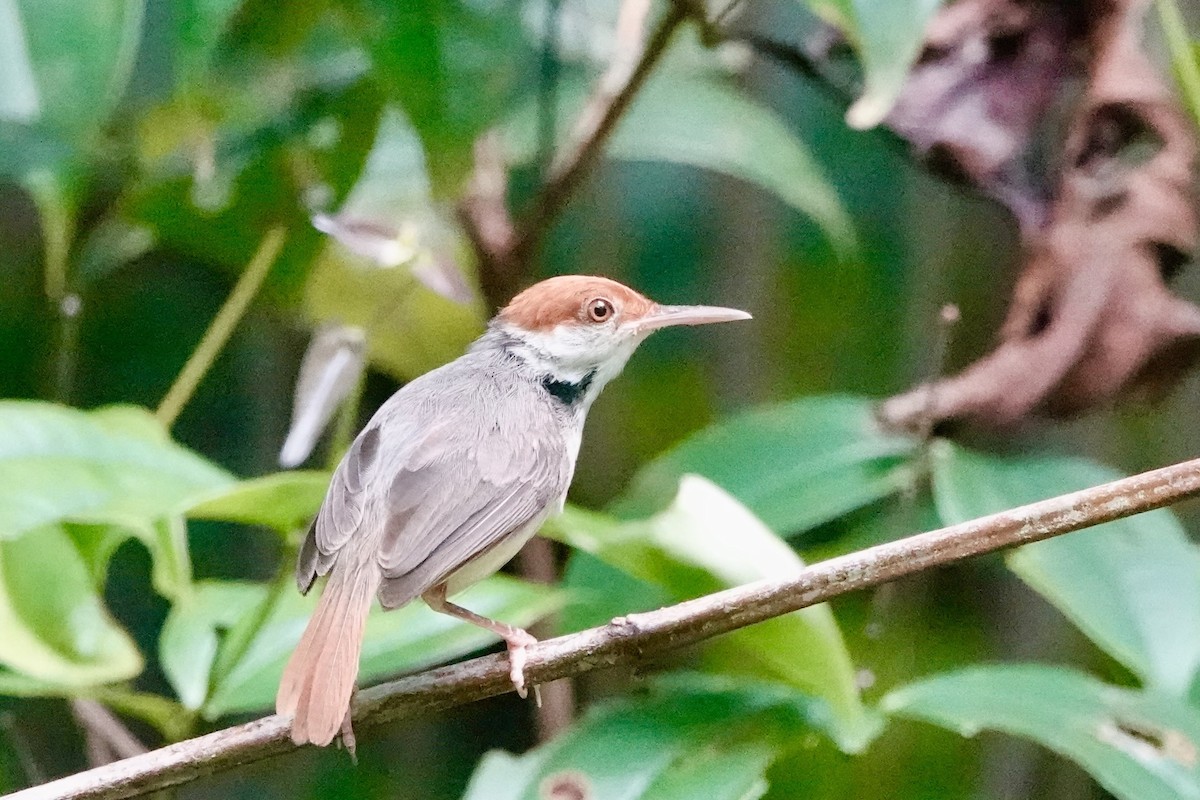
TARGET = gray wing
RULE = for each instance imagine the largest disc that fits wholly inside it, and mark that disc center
(460, 495)
(438, 477)
(342, 511)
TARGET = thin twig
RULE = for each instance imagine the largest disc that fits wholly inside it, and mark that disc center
(483, 211)
(612, 95)
(629, 640)
(221, 328)
(104, 732)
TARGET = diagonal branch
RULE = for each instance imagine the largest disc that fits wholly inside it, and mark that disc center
(627, 640)
(506, 249)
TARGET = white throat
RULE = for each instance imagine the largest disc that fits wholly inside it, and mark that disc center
(572, 356)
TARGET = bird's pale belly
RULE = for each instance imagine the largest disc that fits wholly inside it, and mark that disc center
(484, 565)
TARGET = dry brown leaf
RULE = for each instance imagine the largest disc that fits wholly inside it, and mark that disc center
(1092, 316)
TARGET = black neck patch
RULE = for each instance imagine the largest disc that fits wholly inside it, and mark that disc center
(566, 392)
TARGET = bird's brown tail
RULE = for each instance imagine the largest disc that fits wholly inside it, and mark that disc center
(319, 679)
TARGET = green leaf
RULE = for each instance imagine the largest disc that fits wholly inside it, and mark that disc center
(20, 100)
(706, 541)
(703, 121)
(1137, 745)
(111, 466)
(283, 502)
(1133, 585)
(708, 740)
(199, 25)
(404, 640)
(188, 643)
(453, 66)
(887, 35)
(795, 465)
(53, 625)
(411, 329)
(710, 124)
(81, 57)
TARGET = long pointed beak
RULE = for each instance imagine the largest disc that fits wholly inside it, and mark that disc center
(664, 316)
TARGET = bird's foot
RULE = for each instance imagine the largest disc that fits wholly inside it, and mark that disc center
(517, 640)
(347, 738)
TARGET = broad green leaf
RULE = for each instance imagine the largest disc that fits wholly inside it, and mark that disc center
(284, 501)
(795, 465)
(53, 626)
(887, 35)
(114, 466)
(1133, 585)
(81, 56)
(404, 640)
(393, 264)
(453, 66)
(410, 328)
(188, 643)
(1136, 745)
(710, 124)
(704, 121)
(706, 541)
(687, 742)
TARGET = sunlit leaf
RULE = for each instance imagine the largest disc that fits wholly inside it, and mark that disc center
(403, 640)
(711, 124)
(188, 643)
(1137, 745)
(706, 541)
(410, 329)
(887, 35)
(284, 501)
(795, 465)
(20, 100)
(1133, 585)
(705, 122)
(81, 58)
(708, 740)
(53, 626)
(114, 465)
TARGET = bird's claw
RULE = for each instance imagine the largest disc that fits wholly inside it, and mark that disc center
(517, 640)
(348, 739)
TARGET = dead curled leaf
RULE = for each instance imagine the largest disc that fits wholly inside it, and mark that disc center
(1103, 229)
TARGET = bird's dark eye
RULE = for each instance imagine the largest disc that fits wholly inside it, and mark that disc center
(599, 310)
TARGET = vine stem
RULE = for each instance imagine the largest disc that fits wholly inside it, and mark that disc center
(640, 638)
(221, 328)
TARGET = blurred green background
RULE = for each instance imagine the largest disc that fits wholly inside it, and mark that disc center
(146, 149)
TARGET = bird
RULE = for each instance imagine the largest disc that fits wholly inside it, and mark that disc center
(454, 473)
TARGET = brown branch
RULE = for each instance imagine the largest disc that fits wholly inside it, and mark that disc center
(506, 250)
(106, 737)
(629, 639)
(614, 91)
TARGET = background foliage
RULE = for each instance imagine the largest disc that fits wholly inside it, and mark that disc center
(146, 151)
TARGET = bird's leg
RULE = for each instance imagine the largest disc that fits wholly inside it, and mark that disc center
(347, 734)
(516, 638)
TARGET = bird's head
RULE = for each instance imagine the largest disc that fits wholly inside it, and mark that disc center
(578, 328)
